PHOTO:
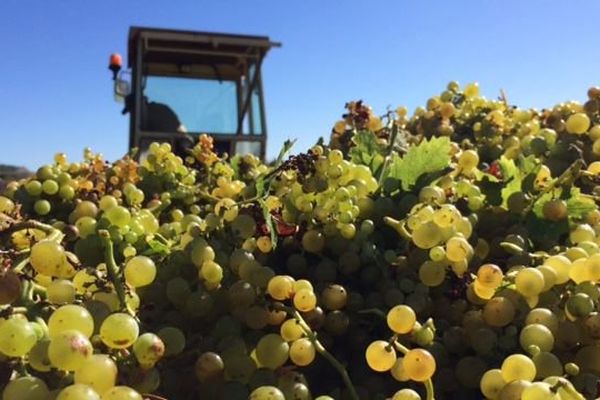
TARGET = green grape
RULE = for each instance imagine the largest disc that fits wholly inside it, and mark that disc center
(71, 317)
(492, 383)
(107, 202)
(291, 330)
(313, 241)
(119, 331)
(173, 339)
(468, 160)
(118, 215)
(579, 305)
(61, 291)
(266, 393)
(419, 365)
(42, 207)
(547, 364)
(272, 351)
(244, 226)
(539, 391)
(305, 300)
(432, 273)
(437, 253)
(47, 257)
(380, 356)
(140, 271)
(98, 372)
(406, 394)
(211, 272)
(209, 367)
(538, 335)
(334, 297)
(529, 282)
(561, 265)
(86, 226)
(458, 249)
(401, 319)
(302, 352)
(578, 123)
(66, 192)
(17, 337)
(78, 392)
(121, 393)
(427, 235)
(490, 275)
(26, 388)
(68, 350)
(148, 349)
(498, 312)
(518, 366)
(34, 188)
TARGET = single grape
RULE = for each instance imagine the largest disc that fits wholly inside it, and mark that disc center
(518, 366)
(71, 317)
(266, 393)
(140, 271)
(401, 319)
(17, 337)
(302, 352)
(380, 356)
(121, 393)
(68, 350)
(99, 372)
(119, 331)
(419, 364)
(25, 388)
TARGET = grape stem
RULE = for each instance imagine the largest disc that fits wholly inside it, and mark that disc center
(321, 349)
(429, 390)
(112, 268)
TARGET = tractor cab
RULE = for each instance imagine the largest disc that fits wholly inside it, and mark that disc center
(180, 84)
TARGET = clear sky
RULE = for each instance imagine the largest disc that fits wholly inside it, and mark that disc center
(56, 92)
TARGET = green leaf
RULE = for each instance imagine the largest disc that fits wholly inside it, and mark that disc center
(515, 173)
(429, 156)
(578, 206)
(235, 164)
(367, 151)
(157, 247)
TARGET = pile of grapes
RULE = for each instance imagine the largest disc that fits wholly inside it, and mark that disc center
(451, 254)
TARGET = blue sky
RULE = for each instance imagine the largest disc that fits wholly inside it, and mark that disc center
(56, 93)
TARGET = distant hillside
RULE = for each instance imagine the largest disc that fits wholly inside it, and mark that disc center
(10, 173)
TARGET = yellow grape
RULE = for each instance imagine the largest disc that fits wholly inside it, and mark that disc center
(305, 300)
(490, 275)
(140, 271)
(71, 317)
(380, 356)
(119, 331)
(121, 393)
(561, 265)
(492, 383)
(78, 391)
(281, 287)
(529, 282)
(302, 284)
(401, 319)
(419, 365)
(578, 123)
(518, 366)
(302, 352)
(406, 394)
(69, 350)
(99, 372)
(458, 249)
(290, 330)
(483, 292)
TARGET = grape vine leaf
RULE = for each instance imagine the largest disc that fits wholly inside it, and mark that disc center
(429, 156)
(367, 151)
(515, 173)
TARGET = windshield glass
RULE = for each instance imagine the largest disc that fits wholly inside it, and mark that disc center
(201, 105)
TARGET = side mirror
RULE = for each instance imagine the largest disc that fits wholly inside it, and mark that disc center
(122, 86)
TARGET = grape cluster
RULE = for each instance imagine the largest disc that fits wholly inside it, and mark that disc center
(345, 272)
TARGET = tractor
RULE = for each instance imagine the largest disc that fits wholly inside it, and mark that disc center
(180, 84)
